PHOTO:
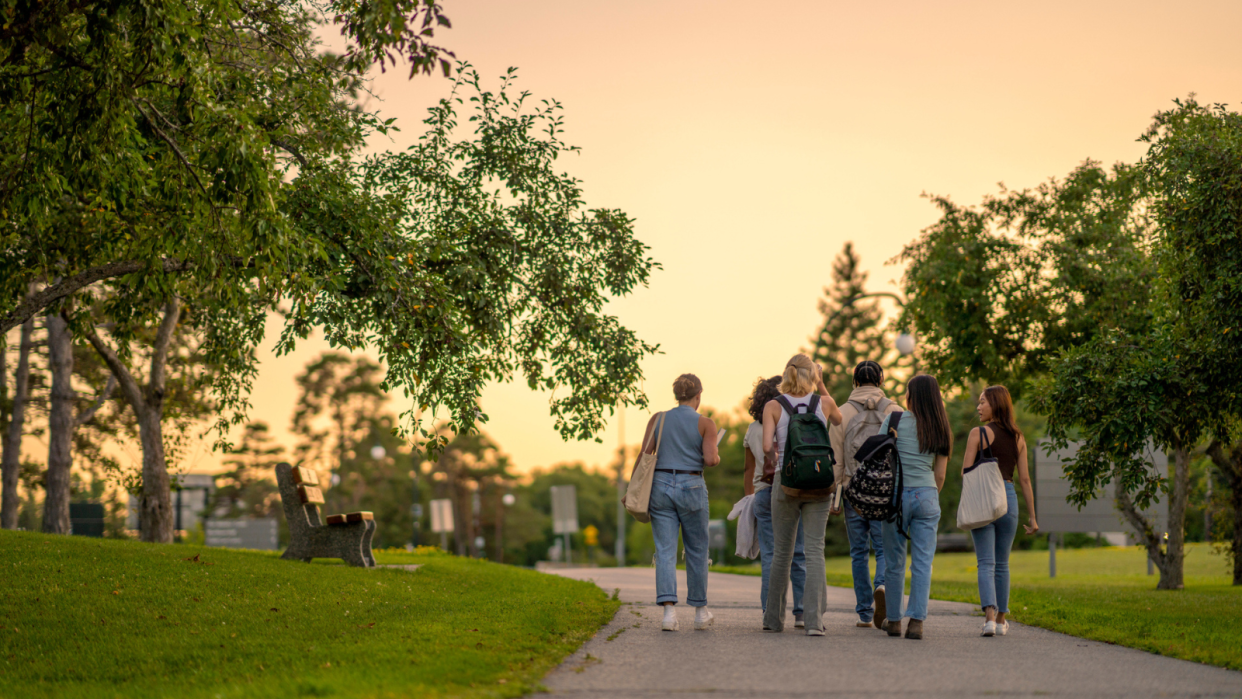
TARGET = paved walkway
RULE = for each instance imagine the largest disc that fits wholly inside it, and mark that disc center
(633, 658)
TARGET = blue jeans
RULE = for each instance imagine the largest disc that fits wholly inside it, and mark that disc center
(797, 573)
(992, 545)
(679, 501)
(920, 512)
(865, 535)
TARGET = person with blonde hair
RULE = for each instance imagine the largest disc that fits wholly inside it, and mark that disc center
(686, 445)
(802, 389)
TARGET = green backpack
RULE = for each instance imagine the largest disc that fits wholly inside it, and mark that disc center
(807, 459)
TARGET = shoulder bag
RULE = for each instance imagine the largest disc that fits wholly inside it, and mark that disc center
(638, 492)
(983, 489)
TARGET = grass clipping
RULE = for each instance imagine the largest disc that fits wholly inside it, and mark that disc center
(96, 618)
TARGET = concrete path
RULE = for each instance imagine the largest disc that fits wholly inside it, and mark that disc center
(632, 657)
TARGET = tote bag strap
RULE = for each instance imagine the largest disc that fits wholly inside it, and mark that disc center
(987, 445)
(659, 436)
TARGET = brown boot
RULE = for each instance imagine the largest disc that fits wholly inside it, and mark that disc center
(881, 609)
(893, 628)
(915, 630)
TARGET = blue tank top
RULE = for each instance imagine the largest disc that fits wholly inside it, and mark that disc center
(681, 448)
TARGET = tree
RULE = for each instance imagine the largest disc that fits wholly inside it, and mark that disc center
(248, 488)
(10, 462)
(220, 168)
(466, 465)
(379, 480)
(853, 329)
(345, 392)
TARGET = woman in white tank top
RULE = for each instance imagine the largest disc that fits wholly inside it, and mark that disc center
(802, 379)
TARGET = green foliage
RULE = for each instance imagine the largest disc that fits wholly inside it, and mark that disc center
(113, 618)
(853, 331)
(997, 291)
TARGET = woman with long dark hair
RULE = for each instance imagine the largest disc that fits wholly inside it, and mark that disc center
(924, 442)
(1000, 435)
(767, 390)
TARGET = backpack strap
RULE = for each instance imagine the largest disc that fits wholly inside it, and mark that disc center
(786, 405)
(814, 404)
(894, 419)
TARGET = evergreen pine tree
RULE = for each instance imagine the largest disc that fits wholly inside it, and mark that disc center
(853, 332)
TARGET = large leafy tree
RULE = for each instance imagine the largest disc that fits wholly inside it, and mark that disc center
(207, 156)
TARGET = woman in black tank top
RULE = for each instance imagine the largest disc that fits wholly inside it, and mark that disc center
(1000, 435)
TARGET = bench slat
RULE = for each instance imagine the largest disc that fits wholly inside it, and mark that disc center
(304, 476)
(351, 517)
(310, 494)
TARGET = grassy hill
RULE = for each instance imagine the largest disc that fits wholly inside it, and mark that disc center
(101, 618)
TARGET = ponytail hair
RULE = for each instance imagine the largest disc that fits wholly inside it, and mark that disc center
(799, 378)
(1001, 403)
(923, 397)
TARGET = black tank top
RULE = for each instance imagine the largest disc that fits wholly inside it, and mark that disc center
(1005, 449)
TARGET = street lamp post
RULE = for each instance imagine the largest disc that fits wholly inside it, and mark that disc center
(905, 343)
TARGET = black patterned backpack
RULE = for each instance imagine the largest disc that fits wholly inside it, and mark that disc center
(875, 490)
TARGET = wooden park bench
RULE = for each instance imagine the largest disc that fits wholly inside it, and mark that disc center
(347, 536)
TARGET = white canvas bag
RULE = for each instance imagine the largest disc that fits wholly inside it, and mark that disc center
(983, 490)
(638, 492)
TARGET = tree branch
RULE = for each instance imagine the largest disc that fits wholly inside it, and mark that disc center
(1141, 525)
(129, 386)
(89, 414)
(55, 292)
(159, 350)
(290, 148)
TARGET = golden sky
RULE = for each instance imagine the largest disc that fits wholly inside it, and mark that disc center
(752, 140)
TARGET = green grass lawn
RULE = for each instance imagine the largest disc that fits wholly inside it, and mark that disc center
(100, 618)
(1103, 594)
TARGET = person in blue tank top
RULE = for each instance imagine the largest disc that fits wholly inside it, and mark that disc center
(684, 443)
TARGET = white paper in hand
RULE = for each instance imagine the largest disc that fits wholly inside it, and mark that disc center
(720, 436)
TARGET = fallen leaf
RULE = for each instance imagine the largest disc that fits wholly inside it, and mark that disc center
(275, 609)
(116, 592)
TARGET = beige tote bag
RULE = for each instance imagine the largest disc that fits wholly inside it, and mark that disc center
(638, 492)
(983, 490)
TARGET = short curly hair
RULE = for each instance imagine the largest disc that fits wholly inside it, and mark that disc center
(765, 390)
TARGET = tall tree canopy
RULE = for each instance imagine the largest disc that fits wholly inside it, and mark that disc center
(209, 155)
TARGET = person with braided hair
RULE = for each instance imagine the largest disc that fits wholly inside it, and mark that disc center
(861, 416)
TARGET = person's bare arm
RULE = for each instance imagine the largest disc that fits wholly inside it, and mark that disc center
(972, 448)
(939, 467)
(828, 405)
(1024, 475)
(711, 452)
(748, 474)
(771, 415)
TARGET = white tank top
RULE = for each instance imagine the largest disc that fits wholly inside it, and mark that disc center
(782, 425)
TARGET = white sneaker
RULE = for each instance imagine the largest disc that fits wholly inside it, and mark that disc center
(670, 618)
(815, 632)
(702, 618)
(989, 628)
(1002, 629)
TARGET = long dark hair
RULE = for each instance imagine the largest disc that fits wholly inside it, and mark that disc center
(765, 390)
(999, 400)
(923, 397)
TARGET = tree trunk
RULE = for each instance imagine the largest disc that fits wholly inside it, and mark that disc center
(60, 428)
(10, 461)
(1230, 465)
(1169, 560)
(156, 510)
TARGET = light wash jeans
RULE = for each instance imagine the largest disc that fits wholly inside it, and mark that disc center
(865, 535)
(920, 512)
(797, 573)
(679, 501)
(992, 545)
(787, 515)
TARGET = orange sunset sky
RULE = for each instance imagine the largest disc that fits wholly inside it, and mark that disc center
(752, 140)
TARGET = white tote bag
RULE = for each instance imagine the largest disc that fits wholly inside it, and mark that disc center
(983, 490)
(638, 492)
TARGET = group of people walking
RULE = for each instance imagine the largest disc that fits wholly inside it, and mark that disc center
(790, 523)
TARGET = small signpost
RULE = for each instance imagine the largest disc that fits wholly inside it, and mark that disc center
(442, 520)
(1056, 516)
(86, 518)
(565, 515)
(243, 533)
